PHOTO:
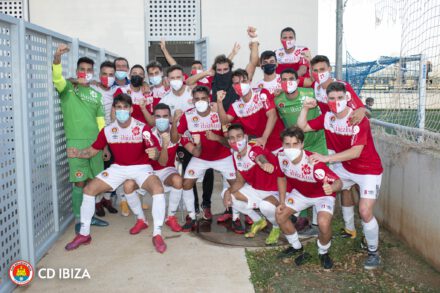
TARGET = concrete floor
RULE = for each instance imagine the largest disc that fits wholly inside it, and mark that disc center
(118, 261)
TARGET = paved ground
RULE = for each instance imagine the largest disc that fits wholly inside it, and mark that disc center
(117, 261)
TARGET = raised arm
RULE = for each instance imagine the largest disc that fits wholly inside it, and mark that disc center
(192, 80)
(234, 51)
(167, 54)
(224, 117)
(57, 70)
(254, 59)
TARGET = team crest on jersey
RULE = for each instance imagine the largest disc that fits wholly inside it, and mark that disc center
(285, 162)
(129, 92)
(281, 105)
(136, 130)
(261, 86)
(281, 54)
(320, 174)
(306, 169)
(191, 172)
(332, 118)
(241, 106)
(195, 119)
(238, 157)
(290, 200)
(79, 174)
(105, 174)
(114, 130)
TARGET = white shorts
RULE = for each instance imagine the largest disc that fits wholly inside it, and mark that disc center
(369, 185)
(115, 175)
(197, 168)
(299, 202)
(255, 196)
(164, 173)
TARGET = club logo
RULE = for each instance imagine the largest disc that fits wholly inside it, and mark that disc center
(21, 273)
(285, 162)
(281, 105)
(241, 106)
(79, 174)
(191, 172)
(332, 118)
(195, 119)
(290, 200)
(261, 85)
(105, 174)
(114, 130)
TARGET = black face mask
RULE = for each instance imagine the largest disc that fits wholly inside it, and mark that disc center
(223, 81)
(269, 68)
(136, 80)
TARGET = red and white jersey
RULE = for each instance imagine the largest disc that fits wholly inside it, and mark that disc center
(206, 81)
(196, 124)
(137, 97)
(292, 60)
(305, 177)
(172, 149)
(252, 173)
(271, 86)
(159, 91)
(341, 136)
(252, 116)
(107, 100)
(353, 102)
(127, 144)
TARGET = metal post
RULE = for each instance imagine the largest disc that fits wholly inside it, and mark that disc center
(74, 56)
(422, 94)
(339, 36)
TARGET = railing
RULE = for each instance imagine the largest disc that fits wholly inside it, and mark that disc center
(35, 194)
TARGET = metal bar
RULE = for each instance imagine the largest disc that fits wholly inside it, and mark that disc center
(74, 56)
(422, 94)
(417, 131)
(339, 37)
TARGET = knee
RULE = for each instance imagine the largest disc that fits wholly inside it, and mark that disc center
(129, 186)
(155, 186)
(324, 223)
(177, 182)
(281, 217)
(187, 184)
(365, 213)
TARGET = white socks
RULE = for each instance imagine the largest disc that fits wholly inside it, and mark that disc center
(294, 240)
(158, 212)
(268, 210)
(348, 215)
(323, 249)
(371, 232)
(135, 205)
(87, 212)
(188, 198)
(174, 200)
(107, 195)
(242, 207)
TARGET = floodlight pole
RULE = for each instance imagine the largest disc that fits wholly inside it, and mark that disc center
(339, 33)
(422, 92)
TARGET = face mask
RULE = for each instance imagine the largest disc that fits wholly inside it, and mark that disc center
(242, 89)
(87, 76)
(269, 68)
(337, 106)
(239, 146)
(201, 106)
(196, 71)
(122, 115)
(288, 44)
(107, 81)
(155, 80)
(292, 154)
(321, 77)
(289, 86)
(136, 80)
(176, 84)
(121, 75)
(162, 124)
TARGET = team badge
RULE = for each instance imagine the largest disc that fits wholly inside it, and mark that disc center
(261, 85)
(114, 130)
(105, 174)
(290, 200)
(195, 119)
(241, 106)
(281, 105)
(79, 174)
(285, 162)
(191, 172)
(21, 273)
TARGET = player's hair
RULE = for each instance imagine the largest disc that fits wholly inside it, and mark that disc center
(288, 29)
(122, 98)
(220, 59)
(336, 86)
(174, 68)
(108, 64)
(319, 58)
(85, 60)
(370, 99)
(122, 59)
(293, 131)
(137, 66)
(162, 106)
(289, 70)
(200, 89)
(241, 73)
(266, 55)
(154, 64)
(196, 62)
(236, 126)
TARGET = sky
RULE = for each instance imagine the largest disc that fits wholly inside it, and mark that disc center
(362, 38)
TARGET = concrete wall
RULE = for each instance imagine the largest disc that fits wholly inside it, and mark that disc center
(226, 21)
(409, 200)
(117, 26)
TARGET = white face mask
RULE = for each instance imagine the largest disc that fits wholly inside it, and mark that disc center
(89, 77)
(321, 77)
(289, 86)
(240, 145)
(242, 89)
(288, 44)
(292, 153)
(176, 84)
(155, 80)
(337, 106)
(201, 106)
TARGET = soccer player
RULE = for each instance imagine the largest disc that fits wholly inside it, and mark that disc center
(255, 186)
(291, 55)
(158, 85)
(202, 122)
(179, 98)
(354, 147)
(254, 110)
(271, 80)
(83, 117)
(164, 167)
(121, 74)
(321, 71)
(129, 140)
(143, 100)
(311, 185)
